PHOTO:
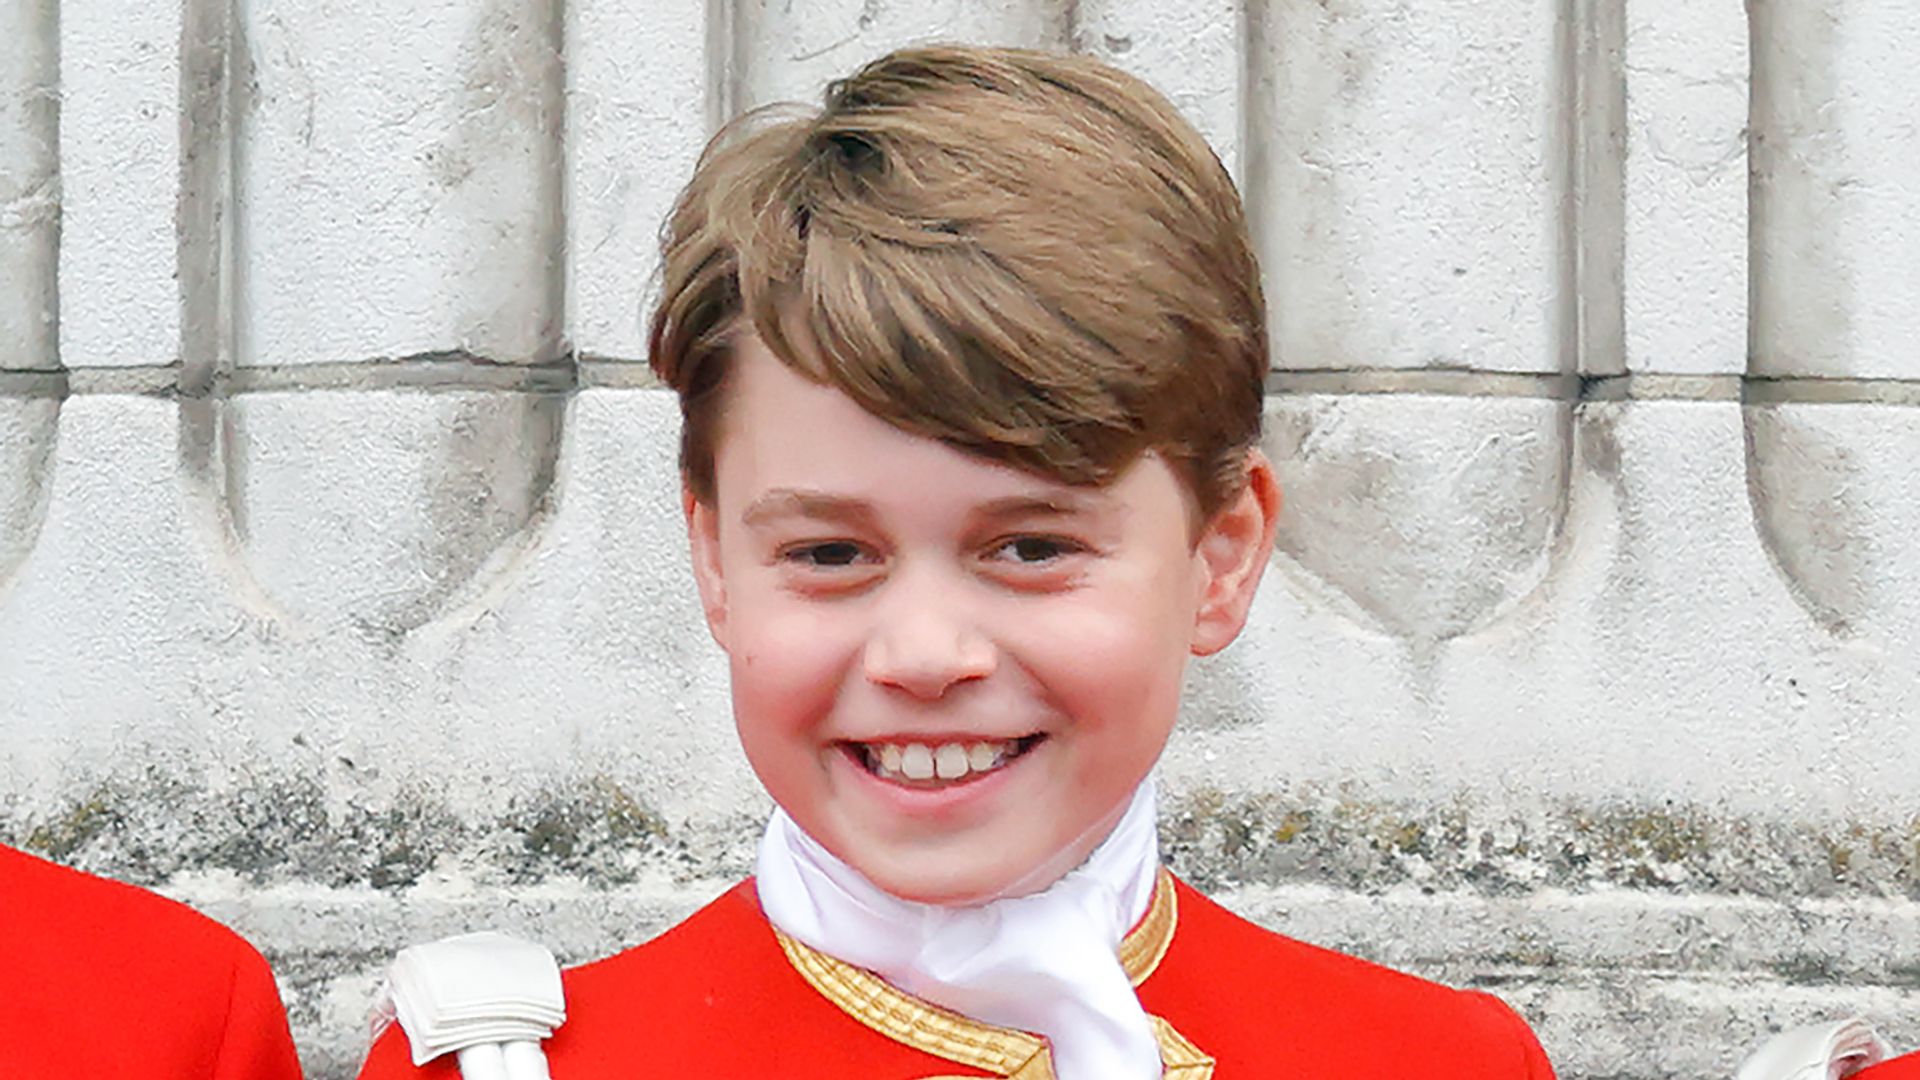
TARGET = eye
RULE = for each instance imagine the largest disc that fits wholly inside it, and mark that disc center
(826, 555)
(1034, 550)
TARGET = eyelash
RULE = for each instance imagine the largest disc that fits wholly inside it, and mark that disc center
(808, 556)
(1059, 547)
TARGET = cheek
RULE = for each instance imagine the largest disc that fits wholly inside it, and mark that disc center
(787, 666)
(1115, 666)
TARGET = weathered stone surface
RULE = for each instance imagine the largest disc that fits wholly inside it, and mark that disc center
(398, 181)
(1836, 165)
(1660, 658)
(1425, 516)
(1683, 159)
(1409, 168)
(639, 110)
(1193, 52)
(783, 52)
(29, 184)
(439, 502)
(27, 431)
(1837, 499)
(120, 136)
(136, 644)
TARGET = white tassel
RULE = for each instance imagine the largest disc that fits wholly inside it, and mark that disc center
(486, 998)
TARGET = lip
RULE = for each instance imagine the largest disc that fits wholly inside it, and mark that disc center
(937, 738)
(963, 798)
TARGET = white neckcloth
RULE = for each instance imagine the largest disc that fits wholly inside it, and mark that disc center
(1047, 963)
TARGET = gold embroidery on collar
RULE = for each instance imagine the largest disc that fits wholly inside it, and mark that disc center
(1182, 1059)
(1146, 945)
(1003, 1052)
(920, 1024)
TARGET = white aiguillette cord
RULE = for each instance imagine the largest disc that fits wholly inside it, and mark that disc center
(1047, 963)
(518, 1060)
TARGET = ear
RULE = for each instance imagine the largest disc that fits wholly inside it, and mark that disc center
(703, 538)
(1233, 550)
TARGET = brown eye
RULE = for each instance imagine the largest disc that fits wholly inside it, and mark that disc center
(1032, 550)
(1035, 549)
(830, 554)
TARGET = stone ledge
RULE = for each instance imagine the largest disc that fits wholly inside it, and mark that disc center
(455, 370)
(1812, 944)
(1614, 1005)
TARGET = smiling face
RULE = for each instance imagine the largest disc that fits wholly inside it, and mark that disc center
(951, 673)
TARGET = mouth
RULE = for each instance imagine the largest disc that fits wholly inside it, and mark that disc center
(937, 765)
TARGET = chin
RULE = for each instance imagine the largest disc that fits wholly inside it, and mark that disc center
(945, 886)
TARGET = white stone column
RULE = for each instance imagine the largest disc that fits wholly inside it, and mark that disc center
(1683, 188)
(1836, 295)
(29, 185)
(29, 259)
(1409, 170)
(398, 272)
(1836, 178)
(641, 101)
(120, 163)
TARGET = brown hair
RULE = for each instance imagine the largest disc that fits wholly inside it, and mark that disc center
(1030, 257)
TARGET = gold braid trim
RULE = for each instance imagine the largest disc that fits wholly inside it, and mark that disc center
(920, 1024)
(1000, 1051)
(1182, 1059)
(1142, 950)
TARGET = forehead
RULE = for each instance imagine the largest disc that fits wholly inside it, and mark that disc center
(786, 444)
(779, 430)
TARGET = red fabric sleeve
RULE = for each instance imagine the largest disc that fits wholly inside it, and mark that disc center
(390, 1059)
(256, 1043)
(1532, 1060)
(1905, 1067)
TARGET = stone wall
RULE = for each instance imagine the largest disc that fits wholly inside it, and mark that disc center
(342, 590)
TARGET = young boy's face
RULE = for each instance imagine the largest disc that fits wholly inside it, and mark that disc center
(951, 673)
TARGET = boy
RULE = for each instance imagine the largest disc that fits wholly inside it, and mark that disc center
(105, 980)
(970, 366)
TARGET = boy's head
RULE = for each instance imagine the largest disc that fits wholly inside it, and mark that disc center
(970, 366)
(1030, 257)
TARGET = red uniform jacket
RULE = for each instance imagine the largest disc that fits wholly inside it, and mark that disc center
(1904, 1067)
(724, 995)
(102, 980)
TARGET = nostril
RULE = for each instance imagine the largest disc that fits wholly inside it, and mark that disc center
(928, 667)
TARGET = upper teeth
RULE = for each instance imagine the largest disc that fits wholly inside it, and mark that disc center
(948, 761)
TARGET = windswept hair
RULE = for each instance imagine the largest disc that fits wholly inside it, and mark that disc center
(1030, 257)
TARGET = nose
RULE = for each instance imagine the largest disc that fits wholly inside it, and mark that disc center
(924, 644)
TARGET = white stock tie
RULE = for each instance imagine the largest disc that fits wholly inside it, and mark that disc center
(1046, 963)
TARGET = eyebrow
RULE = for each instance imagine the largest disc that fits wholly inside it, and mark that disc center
(1018, 506)
(801, 502)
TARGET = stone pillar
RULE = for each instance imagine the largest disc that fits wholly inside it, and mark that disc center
(1836, 311)
(30, 381)
(399, 273)
(1410, 171)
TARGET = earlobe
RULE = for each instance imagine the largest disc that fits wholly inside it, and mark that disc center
(1234, 548)
(703, 539)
